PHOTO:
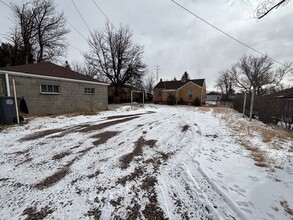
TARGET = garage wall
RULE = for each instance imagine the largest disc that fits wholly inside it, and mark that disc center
(72, 97)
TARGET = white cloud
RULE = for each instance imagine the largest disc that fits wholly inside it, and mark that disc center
(177, 41)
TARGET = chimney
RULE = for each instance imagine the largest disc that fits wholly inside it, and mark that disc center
(161, 80)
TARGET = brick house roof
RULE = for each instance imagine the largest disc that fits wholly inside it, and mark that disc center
(49, 69)
(177, 84)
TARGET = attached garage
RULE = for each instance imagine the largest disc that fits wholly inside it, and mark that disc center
(51, 89)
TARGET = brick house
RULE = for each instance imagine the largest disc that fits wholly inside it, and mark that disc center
(52, 89)
(185, 91)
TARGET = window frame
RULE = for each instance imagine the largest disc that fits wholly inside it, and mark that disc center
(189, 93)
(55, 89)
(89, 90)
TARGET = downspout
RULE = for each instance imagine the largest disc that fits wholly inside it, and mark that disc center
(7, 84)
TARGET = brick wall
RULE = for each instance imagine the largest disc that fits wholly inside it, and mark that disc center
(71, 98)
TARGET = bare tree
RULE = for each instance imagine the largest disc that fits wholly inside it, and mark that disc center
(258, 73)
(266, 6)
(25, 17)
(50, 30)
(115, 56)
(87, 70)
(12, 53)
(225, 83)
(42, 30)
(149, 83)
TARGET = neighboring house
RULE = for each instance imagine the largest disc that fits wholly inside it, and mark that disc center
(185, 91)
(124, 94)
(52, 89)
(214, 97)
(284, 94)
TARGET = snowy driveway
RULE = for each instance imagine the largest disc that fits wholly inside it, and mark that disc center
(151, 163)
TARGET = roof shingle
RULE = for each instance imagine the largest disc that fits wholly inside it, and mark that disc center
(177, 84)
(49, 69)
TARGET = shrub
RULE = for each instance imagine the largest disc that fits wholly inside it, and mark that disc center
(180, 101)
(171, 100)
(196, 102)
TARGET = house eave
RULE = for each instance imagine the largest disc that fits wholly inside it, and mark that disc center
(21, 74)
(188, 83)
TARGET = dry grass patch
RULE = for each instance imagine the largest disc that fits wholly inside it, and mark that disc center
(286, 207)
(260, 157)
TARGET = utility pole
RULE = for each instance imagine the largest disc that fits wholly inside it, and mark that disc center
(251, 104)
(157, 72)
(244, 103)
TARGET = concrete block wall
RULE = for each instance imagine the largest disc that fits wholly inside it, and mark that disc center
(71, 98)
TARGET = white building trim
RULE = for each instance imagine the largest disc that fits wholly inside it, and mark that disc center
(50, 77)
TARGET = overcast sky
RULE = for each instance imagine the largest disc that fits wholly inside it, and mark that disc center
(175, 40)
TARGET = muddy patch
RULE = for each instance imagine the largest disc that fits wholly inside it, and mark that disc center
(137, 151)
(80, 128)
(95, 214)
(33, 214)
(61, 155)
(4, 179)
(56, 177)
(97, 173)
(41, 134)
(214, 136)
(185, 128)
(104, 137)
(122, 116)
(68, 131)
(90, 128)
(134, 211)
(137, 173)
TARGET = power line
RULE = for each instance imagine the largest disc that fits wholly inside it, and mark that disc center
(223, 32)
(76, 48)
(76, 30)
(81, 16)
(9, 6)
(99, 8)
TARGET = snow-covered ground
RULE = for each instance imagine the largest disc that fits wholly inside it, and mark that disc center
(156, 162)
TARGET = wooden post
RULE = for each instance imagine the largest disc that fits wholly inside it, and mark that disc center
(244, 104)
(251, 104)
(143, 98)
(15, 101)
(131, 97)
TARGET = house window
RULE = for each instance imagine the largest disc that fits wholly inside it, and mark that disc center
(50, 89)
(189, 93)
(160, 93)
(89, 90)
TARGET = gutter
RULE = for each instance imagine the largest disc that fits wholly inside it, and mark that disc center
(7, 84)
(49, 77)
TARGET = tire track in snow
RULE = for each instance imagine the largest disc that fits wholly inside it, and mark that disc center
(185, 179)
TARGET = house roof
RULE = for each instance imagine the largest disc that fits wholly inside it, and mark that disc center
(50, 70)
(213, 93)
(177, 84)
(287, 93)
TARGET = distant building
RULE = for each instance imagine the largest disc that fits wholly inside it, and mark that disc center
(214, 97)
(185, 91)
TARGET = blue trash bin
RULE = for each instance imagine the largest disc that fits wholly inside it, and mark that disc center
(7, 110)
